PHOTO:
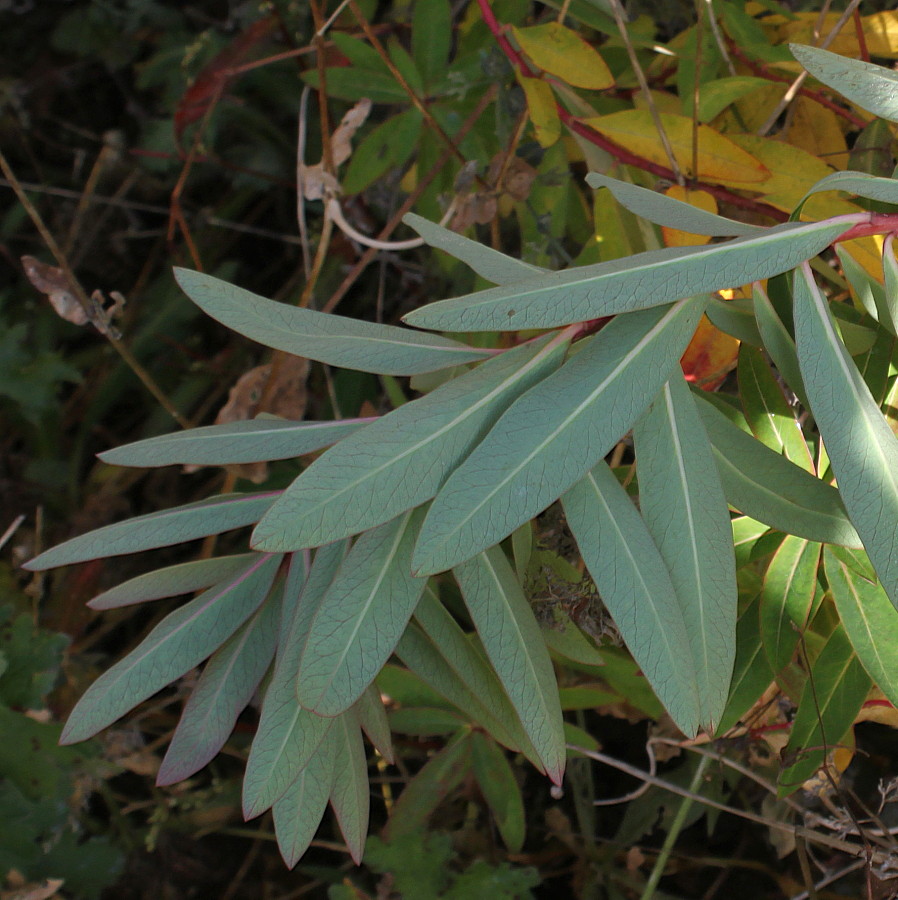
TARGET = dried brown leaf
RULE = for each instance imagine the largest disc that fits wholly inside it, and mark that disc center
(51, 280)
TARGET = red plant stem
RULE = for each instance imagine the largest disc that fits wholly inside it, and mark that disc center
(861, 37)
(879, 223)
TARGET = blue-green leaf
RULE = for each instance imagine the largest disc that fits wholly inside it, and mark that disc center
(402, 460)
(869, 619)
(182, 640)
(252, 440)
(228, 682)
(184, 578)
(213, 515)
(778, 342)
(360, 617)
(336, 340)
(871, 187)
(512, 640)
(888, 315)
(766, 486)
(554, 433)
(349, 794)
(871, 87)
(635, 585)
(683, 505)
(299, 811)
(668, 211)
(862, 449)
(486, 262)
(655, 278)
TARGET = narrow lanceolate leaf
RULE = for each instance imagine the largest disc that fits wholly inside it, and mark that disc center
(374, 722)
(862, 449)
(288, 735)
(872, 187)
(871, 87)
(298, 813)
(486, 262)
(683, 505)
(635, 585)
(554, 434)
(778, 342)
(637, 282)
(512, 640)
(888, 315)
(182, 640)
(336, 340)
(361, 617)
(402, 460)
(766, 486)
(172, 581)
(349, 796)
(253, 440)
(869, 619)
(835, 691)
(227, 684)
(160, 529)
(668, 211)
(500, 789)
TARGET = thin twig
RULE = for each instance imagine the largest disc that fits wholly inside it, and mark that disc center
(718, 37)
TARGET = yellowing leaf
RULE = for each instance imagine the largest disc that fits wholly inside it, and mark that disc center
(710, 356)
(542, 109)
(880, 33)
(719, 159)
(664, 102)
(562, 52)
(700, 199)
(790, 168)
(816, 129)
(868, 252)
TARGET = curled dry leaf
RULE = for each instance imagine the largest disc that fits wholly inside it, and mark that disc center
(51, 280)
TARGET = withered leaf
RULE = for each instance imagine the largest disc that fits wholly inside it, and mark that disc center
(51, 280)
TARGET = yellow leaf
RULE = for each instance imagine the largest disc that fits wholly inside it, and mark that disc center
(817, 129)
(701, 199)
(790, 168)
(880, 33)
(542, 109)
(562, 52)
(719, 159)
(664, 102)
(710, 356)
(867, 252)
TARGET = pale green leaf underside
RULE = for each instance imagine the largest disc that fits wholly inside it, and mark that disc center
(649, 279)
(182, 640)
(766, 486)
(486, 262)
(402, 459)
(361, 617)
(669, 212)
(171, 581)
(683, 504)
(228, 682)
(862, 449)
(249, 441)
(336, 340)
(160, 529)
(873, 187)
(350, 796)
(872, 87)
(635, 585)
(554, 433)
(512, 640)
(870, 621)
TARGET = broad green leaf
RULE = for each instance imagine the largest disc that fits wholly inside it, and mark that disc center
(768, 413)
(833, 696)
(871, 87)
(553, 434)
(636, 587)
(228, 682)
(746, 534)
(736, 318)
(432, 38)
(336, 340)
(869, 619)
(862, 449)
(287, 734)
(500, 789)
(253, 440)
(360, 617)
(872, 187)
(541, 108)
(566, 639)
(787, 595)
(683, 505)
(425, 721)
(349, 796)
(345, 83)
(373, 719)
(171, 581)
(766, 486)
(563, 52)
(299, 811)
(888, 315)
(647, 279)
(182, 640)
(213, 515)
(669, 212)
(715, 96)
(586, 696)
(486, 262)
(512, 640)
(752, 674)
(387, 147)
(404, 458)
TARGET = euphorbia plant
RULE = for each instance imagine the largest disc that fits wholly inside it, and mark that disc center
(346, 565)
